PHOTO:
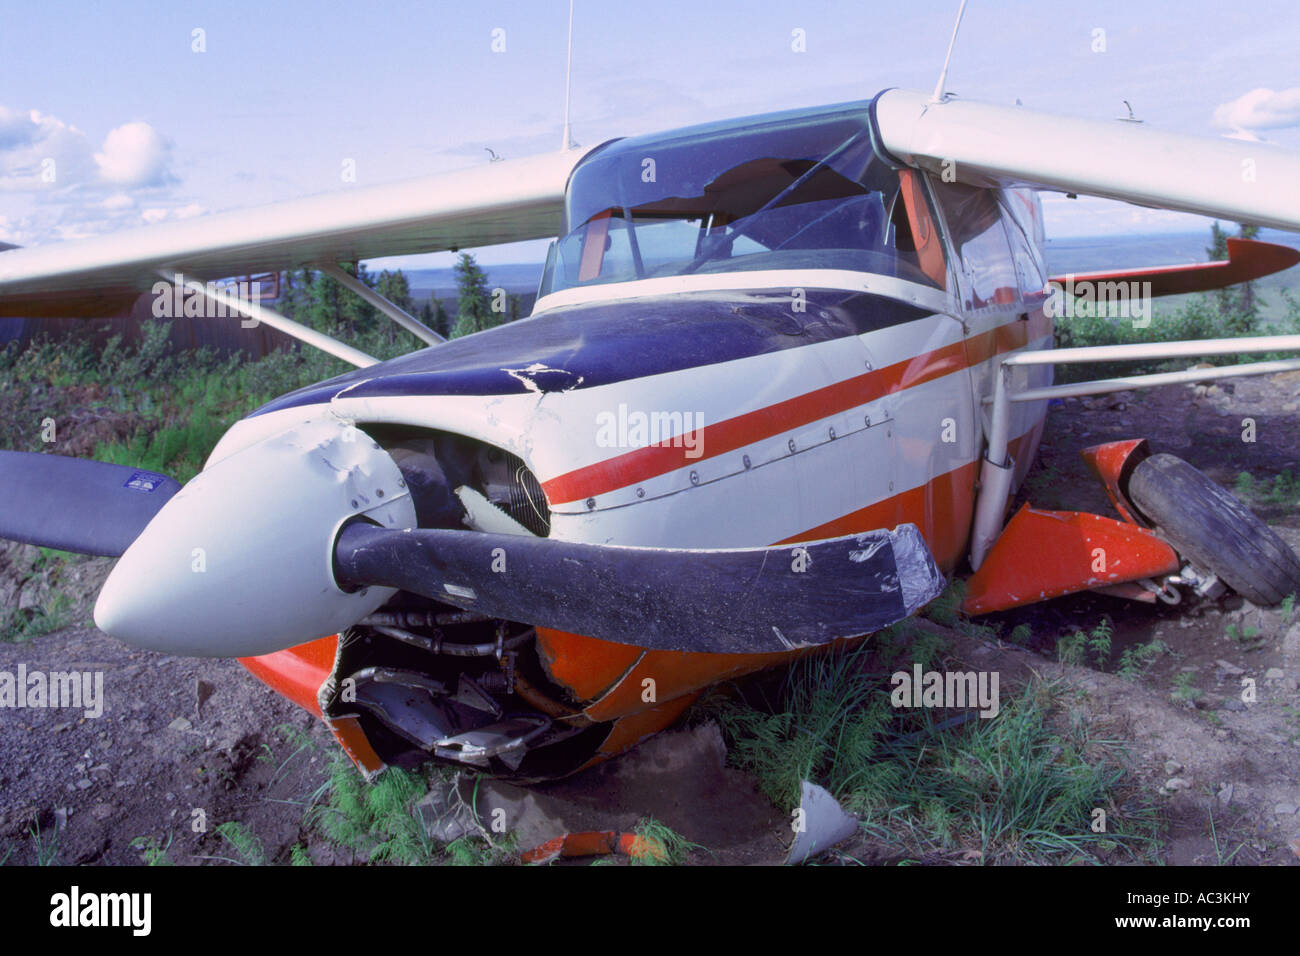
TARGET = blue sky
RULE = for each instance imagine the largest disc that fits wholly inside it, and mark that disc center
(141, 127)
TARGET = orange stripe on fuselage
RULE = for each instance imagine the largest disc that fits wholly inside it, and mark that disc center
(941, 508)
(642, 464)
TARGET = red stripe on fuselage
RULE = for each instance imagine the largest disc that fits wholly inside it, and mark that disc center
(642, 464)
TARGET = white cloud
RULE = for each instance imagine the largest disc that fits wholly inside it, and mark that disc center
(156, 214)
(1259, 109)
(1094, 216)
(38, 151)
(134, 155)
(64, 188)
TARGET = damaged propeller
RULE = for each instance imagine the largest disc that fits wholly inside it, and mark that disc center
(232, 566)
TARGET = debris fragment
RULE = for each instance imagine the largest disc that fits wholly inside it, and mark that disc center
(596, 843)
(444, 814)
(820, 824)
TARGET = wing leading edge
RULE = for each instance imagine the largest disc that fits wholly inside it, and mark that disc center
(986, 144)
(509, 201)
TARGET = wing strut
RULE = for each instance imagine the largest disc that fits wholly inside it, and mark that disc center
(400, 316)
(275, 320)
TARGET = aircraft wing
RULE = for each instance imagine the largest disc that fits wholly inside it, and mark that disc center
(1248, 259)
(984, 145)
(497, 202)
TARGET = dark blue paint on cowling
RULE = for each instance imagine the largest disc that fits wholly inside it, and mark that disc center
(585, 346)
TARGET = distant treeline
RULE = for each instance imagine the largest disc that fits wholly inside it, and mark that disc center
(306, 296)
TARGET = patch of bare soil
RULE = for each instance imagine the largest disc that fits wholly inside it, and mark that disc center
(1215, 719)
(182, 746)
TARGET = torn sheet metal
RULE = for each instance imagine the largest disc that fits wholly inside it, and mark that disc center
(823, 823)
(445, 813)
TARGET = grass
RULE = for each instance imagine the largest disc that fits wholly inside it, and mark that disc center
(1223, 860)
(1075, 646)
(1138, 659)
(378, 820)
(946, 608)
(1248, 637)
(23, 625)
(827, 727)
(1282, 490)
(657, 844)
(175, 404)
(296, 738)
(1021, 787)
(45, 847)
(1185, 688)
(154, 854)
(1201, 317)
(246, 845)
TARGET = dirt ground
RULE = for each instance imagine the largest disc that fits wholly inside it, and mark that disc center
(182, 740)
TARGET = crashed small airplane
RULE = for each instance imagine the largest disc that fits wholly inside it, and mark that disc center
(838, 322)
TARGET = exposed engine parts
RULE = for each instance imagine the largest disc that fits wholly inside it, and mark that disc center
(430, 680)
(441, 691)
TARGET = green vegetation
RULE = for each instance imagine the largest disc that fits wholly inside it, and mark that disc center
(153, 851)
(298, 855)
(474, 301)
(1075, 646)
(1185, 688)
(247, 847)
(1137, 660)
(379, 820)
(660, 845)
(45, 846)
(1020, 634)
(23, 625)
(153, 406)
(946, 608)
(1282, 490)
(1021, 787)
(1247, 637)
(1224, 313)
(296, 738)
(1223, 859)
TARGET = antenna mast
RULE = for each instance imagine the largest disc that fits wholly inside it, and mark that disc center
(568, 84)
(939, 94)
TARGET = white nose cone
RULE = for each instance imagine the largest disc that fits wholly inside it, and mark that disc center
(240, 561)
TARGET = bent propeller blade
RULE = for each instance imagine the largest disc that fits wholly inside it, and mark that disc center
(73, 504)
(741, 601)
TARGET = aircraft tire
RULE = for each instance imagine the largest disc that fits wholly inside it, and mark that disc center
(1213, 530)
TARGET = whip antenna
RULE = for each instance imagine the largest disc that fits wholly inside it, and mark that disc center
(939, 95)
(568, 83)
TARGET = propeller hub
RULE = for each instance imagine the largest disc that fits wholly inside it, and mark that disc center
(240, 561)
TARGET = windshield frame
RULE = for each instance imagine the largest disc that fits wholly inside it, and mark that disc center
(734, 182)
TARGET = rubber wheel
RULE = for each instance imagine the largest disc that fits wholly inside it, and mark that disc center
(1213, 530)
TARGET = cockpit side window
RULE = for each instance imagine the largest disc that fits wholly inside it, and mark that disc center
(978, 238)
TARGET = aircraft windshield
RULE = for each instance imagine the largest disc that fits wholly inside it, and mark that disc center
(807, 193)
